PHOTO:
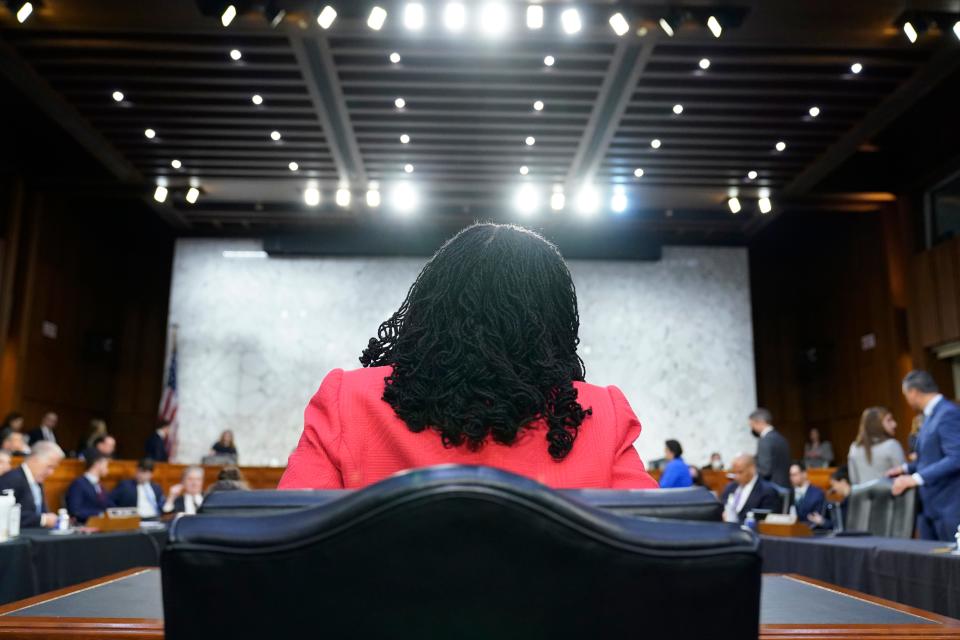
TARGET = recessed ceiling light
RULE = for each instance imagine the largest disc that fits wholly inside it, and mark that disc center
(856, 67)
(910, 31)
(24, 12)
(780, 146)
(293, 166)
(751, 175)
(667, 27)
(395, 58)
(275, 135)
(235, 54)
(814, 112)
(655, 143)
(570, 20)
(538, 105)
(150, 133)
(557, 200)
(404, 138)
(118, 96)
(408, 168)
(638, 173)
(176, 164)
(528, 199)
(343, 197)
(413, 16)
(160, 194)
(956, 29)
(454, 16)
(256, 99)
(714, 25)
(619, 24)
(228, 15)
(192, 194)
(765, 205)
(373, 198)
(619, 202)
(404, 197)
(534, 16)
(734, 204)
(494, 19)
(587, 200)
(530, 141)
(704, 63)
(549, 61)
(311, 196)
(524, 170)
(400, 103)
(678, 109)
(326, 17)
(378, 15)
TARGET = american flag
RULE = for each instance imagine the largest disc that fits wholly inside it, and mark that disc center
(168, 402)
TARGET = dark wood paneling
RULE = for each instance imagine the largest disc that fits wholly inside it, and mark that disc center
(945, 283)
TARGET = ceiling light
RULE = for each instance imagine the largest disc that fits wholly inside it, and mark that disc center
(150, 133)
(557, 200)
(524, 170)
(378, 15)
(404, 139)
(275, 135)
(751, 175)
(538, 105)
(530, 141)
(454, 16)
(293, 166)
(668, 26)
(273, 14)
(493, 19)
(404, 197)
(549, 60)
(765, 205)
(24, 12)
(570, 19)
(343, 197)
(311, 196)
(856, 67)
(956, 29)
(326, 17)
(192, 194)
(704, 63)
(527, 200)
(734, 204)
(228, 15)
(780, 146)
(678, 109)
(910, 31)
(814, 112)
(408, 168)
(395, 58)
(160, 194)
(714, 25)
(638, 173)
(619, 24)
(400, 103)
(655, 143)
(534, 17)
(618, 203)
(256, 99)
(413, 17)
(117, 96)
(235, 54)
(587, 201)
(373, 198)
(245, 255)
(176, 164)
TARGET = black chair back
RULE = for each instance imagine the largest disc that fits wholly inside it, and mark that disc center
(457, 552)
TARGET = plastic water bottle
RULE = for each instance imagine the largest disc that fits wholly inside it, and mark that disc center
(6, 504)
(14, 529)
(63, 520)
(956, 551)
(751, 521)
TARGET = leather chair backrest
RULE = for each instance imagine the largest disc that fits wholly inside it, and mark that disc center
(786, 497)
(873, 508)
(693, 503)
(457, 552)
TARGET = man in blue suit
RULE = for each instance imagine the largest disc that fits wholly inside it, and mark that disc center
(85, 496)
(806, 497)
(937, 469)
(140, 491)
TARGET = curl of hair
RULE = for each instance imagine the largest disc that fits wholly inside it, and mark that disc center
(485, 343)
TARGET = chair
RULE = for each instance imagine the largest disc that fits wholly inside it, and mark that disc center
(786, 497)
(457, 552)
(873, 508)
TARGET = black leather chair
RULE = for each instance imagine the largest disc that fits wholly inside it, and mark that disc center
(694, 503)
(457, 552)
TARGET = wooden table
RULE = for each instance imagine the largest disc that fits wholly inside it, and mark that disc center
(128, 605)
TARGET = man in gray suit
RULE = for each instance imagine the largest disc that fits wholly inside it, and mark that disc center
(773, 450)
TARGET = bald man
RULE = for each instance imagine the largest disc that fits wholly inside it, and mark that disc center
(748, 491)
(27, 484)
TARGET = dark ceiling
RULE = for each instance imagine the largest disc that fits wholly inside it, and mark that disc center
(470, 106)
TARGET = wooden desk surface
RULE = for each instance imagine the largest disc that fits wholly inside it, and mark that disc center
(101, 608)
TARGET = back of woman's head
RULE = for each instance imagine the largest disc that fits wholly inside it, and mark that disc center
(485, 342)
(871, 429)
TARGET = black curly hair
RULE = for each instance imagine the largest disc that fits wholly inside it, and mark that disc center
(485, 343)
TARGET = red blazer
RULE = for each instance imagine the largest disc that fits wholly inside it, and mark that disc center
(352, 438)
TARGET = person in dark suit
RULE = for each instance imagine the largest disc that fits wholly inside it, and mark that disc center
(773, 450)
(833, 516)
(86, 496)
(103, 447)
(27, 484)
(156, 446)
(937, 468)
(187, 496)
(45, 432)
(748, 491)
(140, 491)
(806, 498)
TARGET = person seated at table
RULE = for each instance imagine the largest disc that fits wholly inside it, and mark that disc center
(86, 496)
(140, 491)
(715, 464)
(676, 474)
(834, 514)
(15, 444)
(817, 453)
(230, 478)
(12, 422)
(876, 450)
(225, 445)
(156, 445)
(478, 366)
(97, 428)
(27, 484)
(187, 496)
(748, 491)
(5, 460)
(696, 477)
(806, 498)
(103, 447)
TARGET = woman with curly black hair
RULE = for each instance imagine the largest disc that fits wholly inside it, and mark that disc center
(479, 365)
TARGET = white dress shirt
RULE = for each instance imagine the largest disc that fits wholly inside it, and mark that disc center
(191, 503)
(147, 506)
(48, 434)
(34, 488)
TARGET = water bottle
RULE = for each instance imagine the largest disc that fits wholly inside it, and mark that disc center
(956, 551)
(6, 503)
(751, 521)
(63, 520)
(14, 529)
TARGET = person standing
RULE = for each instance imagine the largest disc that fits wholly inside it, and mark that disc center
(156, 445)
(45, 432)
(773, 450)
(876, 448)
(937, 469)
(676, 474)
